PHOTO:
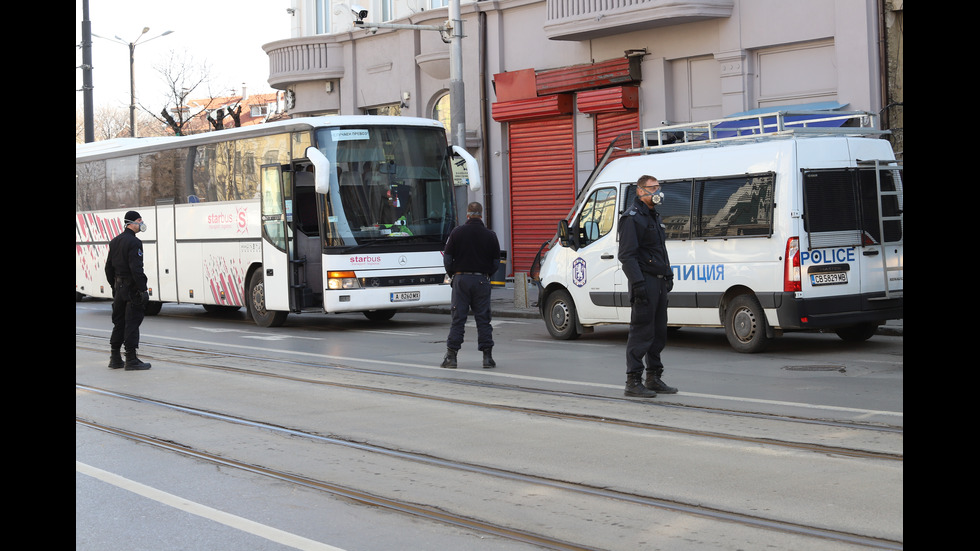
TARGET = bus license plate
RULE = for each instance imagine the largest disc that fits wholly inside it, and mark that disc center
(828, 279)
(407, 296)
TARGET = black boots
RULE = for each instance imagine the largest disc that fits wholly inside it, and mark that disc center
(634, 386)
(115, 359)
(133, 363)
(450, 360)
(488, 362)
(654, 383)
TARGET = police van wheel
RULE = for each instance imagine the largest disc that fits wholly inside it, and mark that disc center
(857, 333)
(560, 316)
(256, 303)
(745, 325)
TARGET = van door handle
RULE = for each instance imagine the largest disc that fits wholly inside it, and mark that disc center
(870, 253)
(606, 256)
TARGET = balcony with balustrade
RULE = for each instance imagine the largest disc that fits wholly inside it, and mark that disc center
(304, 59)
(588, 19)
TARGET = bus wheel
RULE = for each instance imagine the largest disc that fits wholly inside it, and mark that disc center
(745, 325)
(560, 316)
(379, 315)
(152, 308)
(256, 299)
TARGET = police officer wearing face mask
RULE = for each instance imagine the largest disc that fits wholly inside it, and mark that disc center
(124, 271)
(643, 253)
(471, 256)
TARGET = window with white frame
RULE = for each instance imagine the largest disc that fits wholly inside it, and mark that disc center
(321, 17)
(438, 3)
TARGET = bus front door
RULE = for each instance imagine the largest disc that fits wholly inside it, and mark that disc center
(274, 295)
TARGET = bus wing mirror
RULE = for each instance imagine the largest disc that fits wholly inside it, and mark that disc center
(472, 169)
(321, 167)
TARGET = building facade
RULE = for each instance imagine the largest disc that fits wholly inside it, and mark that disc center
(548, 83)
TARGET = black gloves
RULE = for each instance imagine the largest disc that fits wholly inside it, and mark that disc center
(141, 298)
(638, 293)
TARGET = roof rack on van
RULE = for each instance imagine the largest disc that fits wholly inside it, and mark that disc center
(756, 127)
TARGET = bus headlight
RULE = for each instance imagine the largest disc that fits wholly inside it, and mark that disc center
(342, 280)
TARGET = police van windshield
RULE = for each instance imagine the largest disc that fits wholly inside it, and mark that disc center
(389, 184)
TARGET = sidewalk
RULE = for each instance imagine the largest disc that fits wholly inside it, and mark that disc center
(503, 304)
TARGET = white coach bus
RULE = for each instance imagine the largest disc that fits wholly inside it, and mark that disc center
(326, 214)
(783, 222)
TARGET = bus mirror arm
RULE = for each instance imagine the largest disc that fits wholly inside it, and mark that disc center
(472, 169)
(321, 166)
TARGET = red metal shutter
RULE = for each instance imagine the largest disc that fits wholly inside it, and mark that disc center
(610, 125)
(542, 183)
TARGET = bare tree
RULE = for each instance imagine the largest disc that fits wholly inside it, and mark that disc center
(182, 76)
(113, 122)
(110, 122)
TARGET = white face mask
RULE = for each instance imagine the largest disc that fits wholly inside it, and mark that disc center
(142, 227)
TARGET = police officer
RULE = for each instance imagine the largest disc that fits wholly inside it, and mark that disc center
(643, 253)
(124, 271)
(471, 256)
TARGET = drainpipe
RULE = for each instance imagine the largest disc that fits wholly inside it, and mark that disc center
(484, 121)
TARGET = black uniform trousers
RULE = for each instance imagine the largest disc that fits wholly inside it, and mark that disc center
(127, 314)
(648, 327)
(470, 291)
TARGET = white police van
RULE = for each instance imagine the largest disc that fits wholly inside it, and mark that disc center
(783, 222)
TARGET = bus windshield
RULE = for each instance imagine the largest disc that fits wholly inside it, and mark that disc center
(388, 184)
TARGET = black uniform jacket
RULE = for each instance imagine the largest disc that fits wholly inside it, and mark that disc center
(642, 243)
(472, 247)
(126, 260)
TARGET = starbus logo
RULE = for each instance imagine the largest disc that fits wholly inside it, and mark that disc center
(227, 221)
(243, 220)
(365, 260)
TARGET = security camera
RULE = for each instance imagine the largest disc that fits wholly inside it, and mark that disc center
(359, 13)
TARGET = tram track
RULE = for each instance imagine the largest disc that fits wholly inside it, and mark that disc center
(572, 410)
(432, 513)
(604, 419)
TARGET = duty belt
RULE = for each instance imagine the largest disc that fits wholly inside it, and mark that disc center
(471, 273)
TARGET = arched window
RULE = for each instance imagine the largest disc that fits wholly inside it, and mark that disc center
(440, 112)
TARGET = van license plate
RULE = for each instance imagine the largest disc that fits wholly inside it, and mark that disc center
(828, 279)
(405, 296)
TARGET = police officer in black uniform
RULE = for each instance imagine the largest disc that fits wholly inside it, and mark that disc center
(471, 256)
(643, 253)
(124, 271)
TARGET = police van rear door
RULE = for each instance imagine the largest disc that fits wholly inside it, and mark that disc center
(853, 221)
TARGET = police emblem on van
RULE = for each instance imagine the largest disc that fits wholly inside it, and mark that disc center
(579, 276)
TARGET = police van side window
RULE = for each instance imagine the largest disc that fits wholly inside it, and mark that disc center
(675, 211)
(734, 206)
(598, 215)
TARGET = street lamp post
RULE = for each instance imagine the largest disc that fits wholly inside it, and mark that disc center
(132, 73)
